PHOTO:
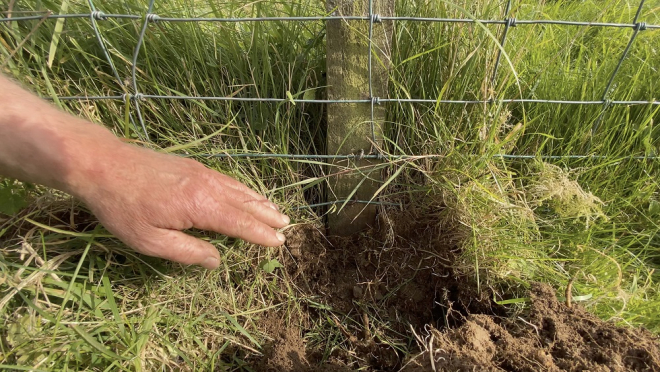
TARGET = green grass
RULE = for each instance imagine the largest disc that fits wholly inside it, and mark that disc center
(72, 300)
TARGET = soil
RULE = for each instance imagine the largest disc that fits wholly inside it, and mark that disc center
(398, 286)
(373, 288)
(287, 351)
(553, 337)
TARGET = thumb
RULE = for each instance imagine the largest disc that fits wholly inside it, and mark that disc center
(180, 247)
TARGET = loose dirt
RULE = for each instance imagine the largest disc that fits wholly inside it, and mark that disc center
(551, 337)
(373, 288)
(395, 289)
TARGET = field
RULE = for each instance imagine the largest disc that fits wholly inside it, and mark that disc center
(466, 233)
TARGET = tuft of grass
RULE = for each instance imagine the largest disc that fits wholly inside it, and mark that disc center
(564, 196)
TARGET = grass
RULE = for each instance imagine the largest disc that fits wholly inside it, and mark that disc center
(72, 298)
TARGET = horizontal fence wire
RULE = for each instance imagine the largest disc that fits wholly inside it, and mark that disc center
(383, 156)
(136, 97)
(157, 18)
(379, 101)
(347, 202)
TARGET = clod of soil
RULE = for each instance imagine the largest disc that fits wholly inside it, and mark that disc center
(552, 337)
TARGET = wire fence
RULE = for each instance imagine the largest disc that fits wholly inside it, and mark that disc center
(372, 18)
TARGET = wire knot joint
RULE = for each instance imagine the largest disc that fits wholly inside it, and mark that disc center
(151, 17)
(375, 18)
(99, 15)
(640, 26)
(511, 22)
(375, 100)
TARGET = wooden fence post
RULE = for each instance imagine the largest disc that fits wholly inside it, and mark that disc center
(350, 126)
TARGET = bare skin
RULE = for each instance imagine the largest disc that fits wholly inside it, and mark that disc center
(143, 197)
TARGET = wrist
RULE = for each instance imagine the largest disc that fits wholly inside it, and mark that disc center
(91, 153)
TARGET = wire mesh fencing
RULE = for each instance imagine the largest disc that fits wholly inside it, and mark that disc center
(135, 97)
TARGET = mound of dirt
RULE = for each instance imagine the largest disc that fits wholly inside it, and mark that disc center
(552, 337)
(374, 296)
(375, 286)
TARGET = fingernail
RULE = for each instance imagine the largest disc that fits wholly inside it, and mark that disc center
(286, 219)
(281, 237)
(211, 263)
(274, 207)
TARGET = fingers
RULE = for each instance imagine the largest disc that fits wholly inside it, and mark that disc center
(179, 247)
(220, 180)
(262, 211)
(241, 193)
(240, 224)
(240, 187)
(243, 199)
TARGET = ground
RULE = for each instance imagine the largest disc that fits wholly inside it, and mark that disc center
(380, 288)
(551, 337)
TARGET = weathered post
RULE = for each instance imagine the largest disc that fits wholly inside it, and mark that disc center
(356, 128)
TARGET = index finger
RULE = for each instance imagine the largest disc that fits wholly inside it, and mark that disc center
(239, 186)
(237, 223)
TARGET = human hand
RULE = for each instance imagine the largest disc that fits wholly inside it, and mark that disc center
(143, 197)
(146, 198)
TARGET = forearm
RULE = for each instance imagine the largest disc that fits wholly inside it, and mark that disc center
(41, 144)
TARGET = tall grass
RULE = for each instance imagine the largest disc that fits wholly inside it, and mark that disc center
(592, 222)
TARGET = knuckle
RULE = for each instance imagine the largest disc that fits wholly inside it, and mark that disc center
(246, 225)
(198, 198)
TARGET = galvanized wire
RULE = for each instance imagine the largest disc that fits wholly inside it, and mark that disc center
(369, 68)
(380, 100)
(511, 22)
(329, 18)
(147, 17)
(392, 157)
(98, 15)
(639, 26)
(136, 97)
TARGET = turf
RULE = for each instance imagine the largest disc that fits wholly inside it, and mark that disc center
(73, 298)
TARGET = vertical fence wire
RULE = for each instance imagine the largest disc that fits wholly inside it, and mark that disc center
(509, 22)
(95, 16)
(369, 68)
(637, 27)
(137, 96)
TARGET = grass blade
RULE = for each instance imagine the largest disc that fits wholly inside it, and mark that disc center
(96, 345)
(59, 26)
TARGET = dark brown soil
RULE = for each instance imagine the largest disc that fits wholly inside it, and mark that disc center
(552, 337)
(397, 289)
(373, 288)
